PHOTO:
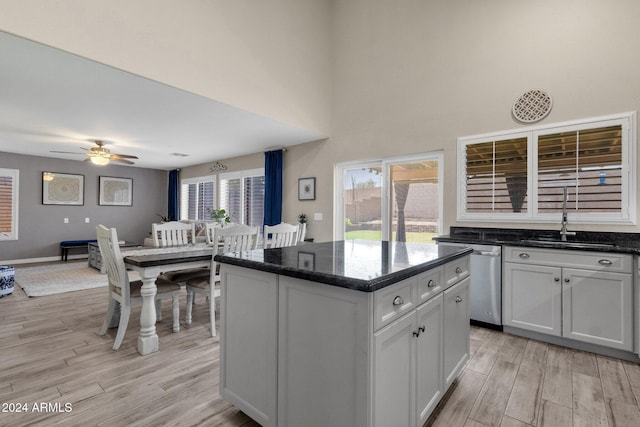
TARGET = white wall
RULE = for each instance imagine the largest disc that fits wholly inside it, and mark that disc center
(411, 76)
(267, 57)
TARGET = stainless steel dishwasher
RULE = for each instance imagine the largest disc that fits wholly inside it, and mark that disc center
(485, 297)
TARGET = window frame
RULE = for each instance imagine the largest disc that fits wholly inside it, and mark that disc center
(627, 214)
(198, 180)
(247, 173)
(386, 202)
(15, 175)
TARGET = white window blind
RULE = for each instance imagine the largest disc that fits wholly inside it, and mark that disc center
(520, 175)
(588, 162)
(197, 197)
(8, 204)
(242, 196)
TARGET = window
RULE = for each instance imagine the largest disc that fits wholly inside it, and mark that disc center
(242, 196)
(197, 196)
(9, 204)
(521, 175)
(397, 199)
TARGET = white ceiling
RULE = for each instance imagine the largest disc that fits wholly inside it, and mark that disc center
(53, 100)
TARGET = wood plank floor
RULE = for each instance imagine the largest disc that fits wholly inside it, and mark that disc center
(50, 352)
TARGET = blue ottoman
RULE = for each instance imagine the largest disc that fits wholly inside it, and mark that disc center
(7, 276)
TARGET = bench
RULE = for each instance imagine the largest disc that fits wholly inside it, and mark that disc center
(65, 245)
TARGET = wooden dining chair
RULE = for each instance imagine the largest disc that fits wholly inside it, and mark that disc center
(231, 238)
(124, 293)
(173, 233)
(280, 235)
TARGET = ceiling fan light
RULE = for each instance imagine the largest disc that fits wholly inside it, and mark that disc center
(47, 176)
(99, 160)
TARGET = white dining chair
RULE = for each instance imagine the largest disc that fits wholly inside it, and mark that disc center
(124, 293)
(210, 228)
(231, 238)
(280, 235)
(173, 233)
(302, 231)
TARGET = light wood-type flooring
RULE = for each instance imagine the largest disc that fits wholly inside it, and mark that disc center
(51, 353)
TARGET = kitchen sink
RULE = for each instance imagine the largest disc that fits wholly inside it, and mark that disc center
(569, 244)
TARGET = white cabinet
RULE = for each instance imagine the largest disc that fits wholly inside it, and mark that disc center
(394, 373)
(430, 356)
(300, 353)
(248, 358)
(584, 296)
(532, 298)
(456, 330)
(408, 355)
(597, 307)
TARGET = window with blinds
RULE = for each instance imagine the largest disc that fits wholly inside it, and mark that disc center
(496, 176)
(8, 204)
(242, 196)
(587, 162)
(197, 198)
(521, 175)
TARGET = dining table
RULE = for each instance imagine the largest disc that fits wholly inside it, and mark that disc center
(151, 262)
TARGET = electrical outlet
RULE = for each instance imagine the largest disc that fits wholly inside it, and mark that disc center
(66, 220)
(87, 220)
(317, 216)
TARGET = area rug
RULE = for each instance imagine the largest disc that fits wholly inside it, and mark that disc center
(52, 279)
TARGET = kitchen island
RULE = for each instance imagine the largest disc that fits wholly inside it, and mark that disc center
(348, 333)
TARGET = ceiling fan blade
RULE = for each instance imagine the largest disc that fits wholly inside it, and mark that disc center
(122, 156)
(122, 161)
(66, 152)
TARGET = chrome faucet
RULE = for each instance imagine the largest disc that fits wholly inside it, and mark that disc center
(563, 231)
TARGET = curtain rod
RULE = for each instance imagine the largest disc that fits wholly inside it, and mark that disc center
(275, 149)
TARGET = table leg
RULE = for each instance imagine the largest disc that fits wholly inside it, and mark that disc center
(148, 339)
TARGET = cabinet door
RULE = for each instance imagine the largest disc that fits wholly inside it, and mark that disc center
(248, 341)
(597, 307)
(456, 330)
(322, 371)
(532, 298)
(429, 375)
(393, 376)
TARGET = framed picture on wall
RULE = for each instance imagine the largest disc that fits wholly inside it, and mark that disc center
(115, 191)
(306, 261)
(62, 189)
(307, 188)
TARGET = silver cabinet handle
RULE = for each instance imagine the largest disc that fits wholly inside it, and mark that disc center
(458, 299)
(398, 300)
(419, 331)
(524, 255)
(458, 270)
(567, 280)
(605, 262)
(431, 284)
(556, 279)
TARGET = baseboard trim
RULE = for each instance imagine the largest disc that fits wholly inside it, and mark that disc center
(566, 342)
(42, 259)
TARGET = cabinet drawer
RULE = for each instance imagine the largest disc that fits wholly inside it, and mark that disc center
(392, 302)
(456, 271)
(600, 261)
(430, 284)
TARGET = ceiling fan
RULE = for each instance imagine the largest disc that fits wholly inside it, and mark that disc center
(102, 156)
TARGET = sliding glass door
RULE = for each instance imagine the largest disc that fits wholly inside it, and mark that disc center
(397, 199)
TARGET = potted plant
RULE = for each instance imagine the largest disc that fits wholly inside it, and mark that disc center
(302, 220)
(219, 215)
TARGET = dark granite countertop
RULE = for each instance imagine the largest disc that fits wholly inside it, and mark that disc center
(361, 265)
(583, 240)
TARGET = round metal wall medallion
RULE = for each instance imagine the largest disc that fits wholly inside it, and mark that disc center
(532, 106)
